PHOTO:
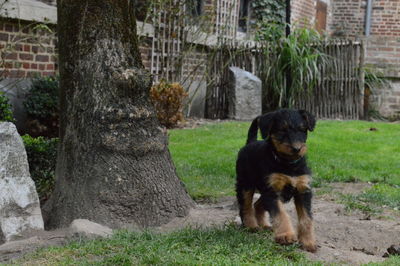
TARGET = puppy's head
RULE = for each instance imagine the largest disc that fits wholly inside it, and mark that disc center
(287, 129)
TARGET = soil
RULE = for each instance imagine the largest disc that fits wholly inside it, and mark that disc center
(342, 237)
(347, 238)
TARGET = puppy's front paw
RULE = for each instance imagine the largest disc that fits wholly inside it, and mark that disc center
(310, 247)
(286, 238)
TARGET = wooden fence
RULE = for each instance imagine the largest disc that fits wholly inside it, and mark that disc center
(337, 95)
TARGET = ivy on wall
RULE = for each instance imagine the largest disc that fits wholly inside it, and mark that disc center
(270, 11)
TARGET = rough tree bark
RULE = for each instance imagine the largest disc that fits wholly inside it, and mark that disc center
(113, 164)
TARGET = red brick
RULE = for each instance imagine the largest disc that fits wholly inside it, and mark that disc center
(32, 74)
(11, 56)
(35, 49)
(8, 65)
(34, 66)
(48, 73)
(8, 27)
(42, 67)
(16, 74)
(387, 49)
(3, 36)
(42, 58)
(28, 57)
(26, 65)
(50, 67)
(27, 48)
(19, 47)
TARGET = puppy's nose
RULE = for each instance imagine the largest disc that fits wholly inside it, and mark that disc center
(296, 149)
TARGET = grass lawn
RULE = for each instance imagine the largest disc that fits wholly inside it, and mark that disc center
(338, 151)
(229, 246)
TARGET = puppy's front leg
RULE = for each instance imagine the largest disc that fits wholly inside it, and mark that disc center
(305, 225)
(281, 225)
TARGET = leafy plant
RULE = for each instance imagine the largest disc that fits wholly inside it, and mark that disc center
(42, 107)
(42, 154)
(168, 101)
(5, 109)
(270, 11)
(373, 82)
(293, 62)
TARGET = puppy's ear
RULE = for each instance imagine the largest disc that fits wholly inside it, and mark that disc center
(265, 123)
(309, 118)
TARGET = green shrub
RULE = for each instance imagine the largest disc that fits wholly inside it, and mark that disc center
(42, 155)
(5, 109)
(42, 107)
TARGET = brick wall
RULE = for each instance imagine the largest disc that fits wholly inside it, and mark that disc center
(26, 52)
(303, 12)
(388, 101)
(382, 46)
(194, 62)
(348, 17)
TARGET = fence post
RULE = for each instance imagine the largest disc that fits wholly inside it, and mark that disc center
(361, 110)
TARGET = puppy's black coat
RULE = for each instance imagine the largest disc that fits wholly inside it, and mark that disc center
(277, 168)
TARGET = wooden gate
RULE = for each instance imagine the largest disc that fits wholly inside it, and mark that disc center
(338, 94)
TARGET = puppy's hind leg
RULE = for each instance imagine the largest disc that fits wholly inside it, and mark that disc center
(246, 210)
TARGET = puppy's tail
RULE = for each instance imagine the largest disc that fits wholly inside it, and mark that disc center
(253, 130)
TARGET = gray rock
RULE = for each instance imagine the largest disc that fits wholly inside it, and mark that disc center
(244, 95)
(88, 229)
(197, 98)
(19, 202)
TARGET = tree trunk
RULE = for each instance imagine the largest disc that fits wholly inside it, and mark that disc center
(113, 163)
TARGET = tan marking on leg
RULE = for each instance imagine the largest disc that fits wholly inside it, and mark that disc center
(302, 183)
(305, 229)
(260, 215)
(249, 219)
(278, 181)
(282, 227)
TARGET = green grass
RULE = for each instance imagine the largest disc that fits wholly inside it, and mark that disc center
(391, 261)
(227, 246)
(382, 194)
(344, 151)
(205, 157)
(371, 199)
(349, 151)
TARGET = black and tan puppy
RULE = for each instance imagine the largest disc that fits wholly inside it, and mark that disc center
(277, 168)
